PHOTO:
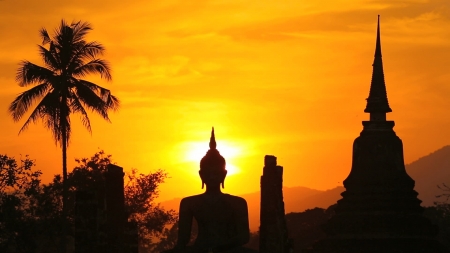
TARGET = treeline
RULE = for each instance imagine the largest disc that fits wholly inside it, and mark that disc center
(31, 212)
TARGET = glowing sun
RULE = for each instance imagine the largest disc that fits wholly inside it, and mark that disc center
(196, 150)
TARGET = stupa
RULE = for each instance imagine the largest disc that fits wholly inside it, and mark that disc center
(379, 210)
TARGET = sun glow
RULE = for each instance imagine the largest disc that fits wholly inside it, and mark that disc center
(196, 150)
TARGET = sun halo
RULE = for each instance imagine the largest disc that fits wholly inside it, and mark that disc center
(197, 150)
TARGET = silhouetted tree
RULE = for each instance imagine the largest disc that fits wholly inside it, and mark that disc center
(141, 191)
(305, 228)
(18, 184)
(169, 237)
(58, 87)
(14, 177)
(31, 213)
(439, 214)
(445, 192)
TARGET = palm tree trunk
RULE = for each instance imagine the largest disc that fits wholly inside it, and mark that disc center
(65, 186)
(65, 191)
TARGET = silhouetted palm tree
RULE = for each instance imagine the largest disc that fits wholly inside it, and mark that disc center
(59, 89)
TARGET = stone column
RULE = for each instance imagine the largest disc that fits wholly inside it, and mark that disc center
(115, 208)
(273, 229)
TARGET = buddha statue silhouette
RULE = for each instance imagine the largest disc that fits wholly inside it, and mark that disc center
(222, 218)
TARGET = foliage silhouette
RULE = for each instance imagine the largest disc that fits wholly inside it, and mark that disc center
(59, 85)
(446, 192)
(168, 239)
(14, 177)
(18, 184)
(31, 213)
(141, 191)
(305, 228)
(439, 214)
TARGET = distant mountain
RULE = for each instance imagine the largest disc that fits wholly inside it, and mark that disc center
(428, 172)
(322, 199)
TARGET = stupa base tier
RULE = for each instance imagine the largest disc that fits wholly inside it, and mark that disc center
(380, 224)
(357, 244)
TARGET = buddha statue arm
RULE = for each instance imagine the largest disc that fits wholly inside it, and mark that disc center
(184, 224)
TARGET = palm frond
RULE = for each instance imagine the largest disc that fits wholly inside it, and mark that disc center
(78, 107)
(90, 50)
(51, 117)
(49, 58)
(57, 32)
(111, 101)
(91, 100)
(51, 111)
(64, 44)
(84, 51)
(46, 105)
(22, 102)
(29, 73)
(80, 29)
(56, 115)
(96, 66)
(44, 35)
(93, 49)
(55, 53)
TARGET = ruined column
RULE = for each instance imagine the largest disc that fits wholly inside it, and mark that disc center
(115, 208)
(273, 229)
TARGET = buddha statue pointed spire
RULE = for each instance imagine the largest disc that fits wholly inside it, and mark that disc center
(377, 102)
(212, 160)
(212, 140)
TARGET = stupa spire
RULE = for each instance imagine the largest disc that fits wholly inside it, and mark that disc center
(212, 140)
(379, 210)
(378, 44)
(377, 102)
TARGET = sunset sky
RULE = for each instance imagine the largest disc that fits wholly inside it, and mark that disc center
(287, 78)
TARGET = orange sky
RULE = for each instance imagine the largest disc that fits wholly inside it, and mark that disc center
(287, 78)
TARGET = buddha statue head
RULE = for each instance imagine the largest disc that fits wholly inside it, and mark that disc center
(212, 166)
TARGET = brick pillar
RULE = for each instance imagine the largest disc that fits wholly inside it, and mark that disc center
(273, 229)
(115, 208)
